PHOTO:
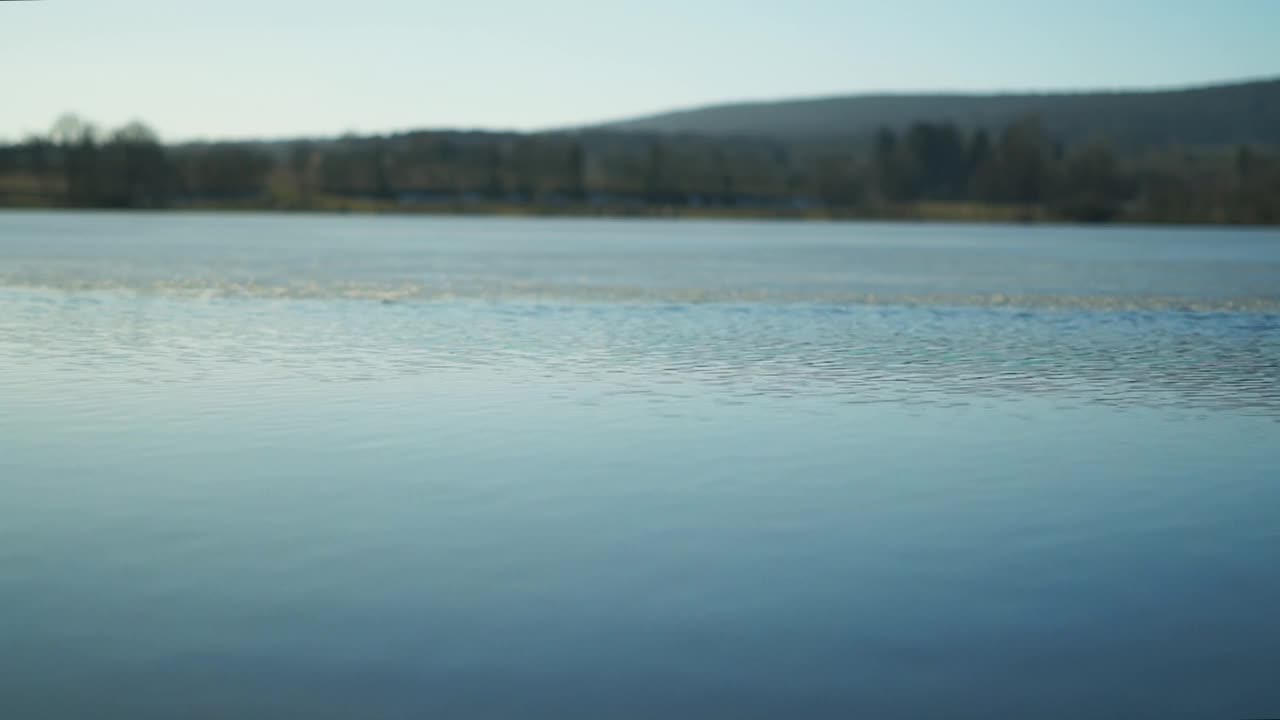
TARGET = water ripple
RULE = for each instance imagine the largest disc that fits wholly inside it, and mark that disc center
(869, 354)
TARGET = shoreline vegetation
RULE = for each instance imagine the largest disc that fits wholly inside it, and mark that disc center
(931, 212)
(923, 172)
(936, 212)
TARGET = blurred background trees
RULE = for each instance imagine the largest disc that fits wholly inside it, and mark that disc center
(925, 169)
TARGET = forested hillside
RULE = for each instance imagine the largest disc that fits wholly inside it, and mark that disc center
(1020, 171)
(1230, 114)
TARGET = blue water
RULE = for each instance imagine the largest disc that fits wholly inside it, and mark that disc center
(291, 466)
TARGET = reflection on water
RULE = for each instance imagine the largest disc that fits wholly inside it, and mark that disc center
(415, 259)
(829, 470)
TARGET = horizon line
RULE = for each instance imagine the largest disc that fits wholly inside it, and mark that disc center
(727, 103)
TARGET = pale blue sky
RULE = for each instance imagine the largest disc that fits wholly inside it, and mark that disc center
(270, 68)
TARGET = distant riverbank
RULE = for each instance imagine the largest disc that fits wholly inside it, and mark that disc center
(927, 171)
(925, 211)
(922, 212)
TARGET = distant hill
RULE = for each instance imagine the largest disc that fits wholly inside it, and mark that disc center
(1226, 114)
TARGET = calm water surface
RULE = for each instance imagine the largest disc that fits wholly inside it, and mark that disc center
(273, 466)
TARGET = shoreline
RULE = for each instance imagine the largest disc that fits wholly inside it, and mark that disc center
(967, 213)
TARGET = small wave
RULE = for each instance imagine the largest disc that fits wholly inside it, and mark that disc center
(501, 291)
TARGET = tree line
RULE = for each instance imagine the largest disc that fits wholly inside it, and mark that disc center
(928, 169)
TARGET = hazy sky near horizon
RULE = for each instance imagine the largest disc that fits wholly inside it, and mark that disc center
(236, 68)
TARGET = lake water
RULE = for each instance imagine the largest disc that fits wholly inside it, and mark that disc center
(306, 466)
